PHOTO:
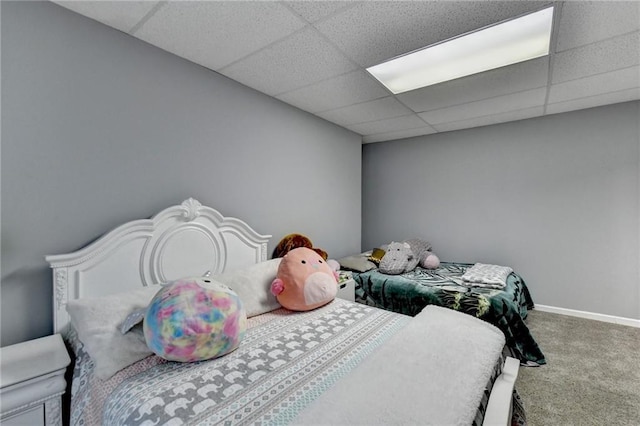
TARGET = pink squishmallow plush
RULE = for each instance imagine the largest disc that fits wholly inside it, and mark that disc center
(304, 280)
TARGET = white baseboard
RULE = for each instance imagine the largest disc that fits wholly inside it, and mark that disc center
(590, 315)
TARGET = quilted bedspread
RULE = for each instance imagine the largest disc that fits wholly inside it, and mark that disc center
(285, 362)
(410, 292)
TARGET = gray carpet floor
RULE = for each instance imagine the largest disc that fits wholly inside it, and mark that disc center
(592, 376)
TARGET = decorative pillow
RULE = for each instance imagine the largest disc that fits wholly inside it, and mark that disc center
(376, 256)
(193, 320)
(97, 323)
(356, 263)
(252, 284)
(304, 281)
(97, 320)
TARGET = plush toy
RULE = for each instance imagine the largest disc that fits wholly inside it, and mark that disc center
(398, 258)
(430, 261)
(423, 255)
(194, 319)
(334, 265)
(304, 280)
(293, 241)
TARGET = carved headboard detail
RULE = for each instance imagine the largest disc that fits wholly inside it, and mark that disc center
(183, 240)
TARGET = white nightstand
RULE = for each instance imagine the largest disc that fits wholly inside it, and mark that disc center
(346, 287)
(32, 382)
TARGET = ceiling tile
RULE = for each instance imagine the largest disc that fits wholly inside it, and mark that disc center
(313, 11)
(595, 85)
(595, 101)
(587, 22)
(491, 119)
(493, 106)
(347, 89)
(398, 134)
(117, 14)
(312, 54)
(367, 111)
(596, 58)
(388, 125)
(375, 31)
(217, 33)
(287, 65)
(514, 78)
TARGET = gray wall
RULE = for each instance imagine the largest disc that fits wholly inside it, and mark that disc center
(99, 128)
(555, 197)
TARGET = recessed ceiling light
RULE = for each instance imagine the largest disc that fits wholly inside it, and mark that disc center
(505, 43)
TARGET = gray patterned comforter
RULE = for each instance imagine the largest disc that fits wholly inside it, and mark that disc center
(286, 360)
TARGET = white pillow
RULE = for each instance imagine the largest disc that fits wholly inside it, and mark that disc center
(253, 286)
(358, 263)
(97, 322)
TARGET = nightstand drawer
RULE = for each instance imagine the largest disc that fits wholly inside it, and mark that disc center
(34, 416)
(32, 382)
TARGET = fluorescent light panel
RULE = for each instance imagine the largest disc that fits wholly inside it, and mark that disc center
(493, 47)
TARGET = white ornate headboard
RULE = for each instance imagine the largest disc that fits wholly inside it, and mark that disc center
(180, 241)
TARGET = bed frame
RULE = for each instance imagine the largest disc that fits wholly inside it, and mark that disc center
(187, 240)
(184, 240)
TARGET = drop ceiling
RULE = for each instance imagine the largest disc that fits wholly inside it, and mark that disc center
(313, 55)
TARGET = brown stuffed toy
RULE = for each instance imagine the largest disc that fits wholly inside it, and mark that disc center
(293, 241)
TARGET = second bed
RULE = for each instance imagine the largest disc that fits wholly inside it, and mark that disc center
(410, 292)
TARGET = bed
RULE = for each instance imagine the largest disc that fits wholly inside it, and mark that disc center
(410, 292)
(343, 363)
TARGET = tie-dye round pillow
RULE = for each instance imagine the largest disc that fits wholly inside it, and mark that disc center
(194, 319)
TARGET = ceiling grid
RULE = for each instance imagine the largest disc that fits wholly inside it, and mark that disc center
(314, 54)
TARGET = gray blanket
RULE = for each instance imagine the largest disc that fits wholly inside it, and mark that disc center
(287, 361)
(432, 372)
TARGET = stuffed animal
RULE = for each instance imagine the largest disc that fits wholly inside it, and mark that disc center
(430, 261)
(194, 319)
(423, 254)
(398, 258)
(293, 241)
(334, 265)
(304, 280)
